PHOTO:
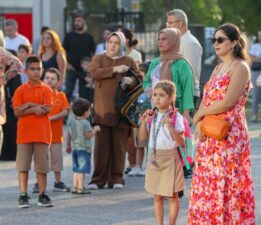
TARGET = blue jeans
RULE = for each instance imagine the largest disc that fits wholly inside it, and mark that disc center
(256, 92)
(81, 160)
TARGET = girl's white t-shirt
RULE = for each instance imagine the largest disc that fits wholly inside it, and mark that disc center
(164, 139)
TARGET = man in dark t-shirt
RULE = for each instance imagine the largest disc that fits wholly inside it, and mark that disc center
(78, 45)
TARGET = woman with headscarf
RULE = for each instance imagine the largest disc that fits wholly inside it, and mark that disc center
(110, 143)
(172, 66)
(9, 67)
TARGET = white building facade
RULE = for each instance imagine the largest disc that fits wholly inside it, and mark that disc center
(38, 13)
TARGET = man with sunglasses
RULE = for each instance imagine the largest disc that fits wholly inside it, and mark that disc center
(190, 47)
(255, 54)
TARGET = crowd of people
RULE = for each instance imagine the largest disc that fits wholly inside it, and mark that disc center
(37, 92)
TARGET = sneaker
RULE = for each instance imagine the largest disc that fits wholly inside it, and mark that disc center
(23, 201)
(60, 187)
(181, 194)
(253, 118)
(44, 200)
(83, 191)
(93, 187)
(142, 173)
(35, 188)
(127, 170)
(134, 172)
(118, 186)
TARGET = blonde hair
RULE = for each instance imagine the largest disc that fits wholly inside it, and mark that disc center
(56, 43)
(168, 86)
(2, 39)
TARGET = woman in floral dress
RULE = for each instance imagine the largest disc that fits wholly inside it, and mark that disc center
(222, 187)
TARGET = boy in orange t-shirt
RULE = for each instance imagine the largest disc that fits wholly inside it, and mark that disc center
(32, 102)
(59, 110)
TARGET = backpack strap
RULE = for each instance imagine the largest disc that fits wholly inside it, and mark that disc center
(181, 148)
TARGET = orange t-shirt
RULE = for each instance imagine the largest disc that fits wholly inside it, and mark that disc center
(33, 128)
(60, 103)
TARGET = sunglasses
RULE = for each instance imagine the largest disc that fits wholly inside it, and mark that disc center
(219, 40)
(35, 68)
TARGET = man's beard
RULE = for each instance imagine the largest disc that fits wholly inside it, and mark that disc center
(79, 28)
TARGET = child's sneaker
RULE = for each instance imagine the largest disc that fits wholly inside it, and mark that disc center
(142, 173)
(35, 188)
(134, 172)
(23, 201)
(60, 187)
(44, 200)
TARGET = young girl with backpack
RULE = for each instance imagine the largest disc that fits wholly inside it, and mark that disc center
(164, 126)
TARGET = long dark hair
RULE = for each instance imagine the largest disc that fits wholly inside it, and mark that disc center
(234, 34)
(129, 35)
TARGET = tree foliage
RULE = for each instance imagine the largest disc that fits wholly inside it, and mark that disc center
(246, 14)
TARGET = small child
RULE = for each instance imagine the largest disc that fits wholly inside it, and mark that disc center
(32, 103)
(79, 140)
(59, 110)
(23, 52)
(88, 90)
(138, 144)
(164, 173)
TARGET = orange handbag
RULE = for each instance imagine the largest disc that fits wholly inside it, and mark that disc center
(214, 127)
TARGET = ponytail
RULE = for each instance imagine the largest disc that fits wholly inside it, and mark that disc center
(241, 47)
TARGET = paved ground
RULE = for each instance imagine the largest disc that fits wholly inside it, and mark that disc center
(130, 206)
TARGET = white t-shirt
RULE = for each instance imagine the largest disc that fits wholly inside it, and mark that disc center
(255, 49)
(135, 55)
(192, 51)
(100, 48)
(164, 139)
(13, 43)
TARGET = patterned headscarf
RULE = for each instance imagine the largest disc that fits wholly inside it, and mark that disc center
(173, 36)
(122, 38)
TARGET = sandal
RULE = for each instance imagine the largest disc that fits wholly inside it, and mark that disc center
(83, 191)
(74, 190)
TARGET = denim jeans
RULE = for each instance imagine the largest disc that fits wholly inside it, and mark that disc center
(256, 92)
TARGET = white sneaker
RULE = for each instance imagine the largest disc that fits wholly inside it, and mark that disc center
(142, 173)
(93, 187)
(118, 186)
(134, 172)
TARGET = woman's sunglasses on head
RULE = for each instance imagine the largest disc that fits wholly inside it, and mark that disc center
(219, 40)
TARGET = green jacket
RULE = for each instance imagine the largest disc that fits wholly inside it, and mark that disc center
(182, 77)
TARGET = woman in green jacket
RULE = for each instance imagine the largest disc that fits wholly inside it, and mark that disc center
(172, 66)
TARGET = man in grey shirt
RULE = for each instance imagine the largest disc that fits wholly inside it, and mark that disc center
(190, 47)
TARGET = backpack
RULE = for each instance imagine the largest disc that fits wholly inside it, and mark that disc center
(187, 150)
(127, 102)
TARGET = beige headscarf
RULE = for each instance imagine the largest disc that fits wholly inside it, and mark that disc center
(172, 54)
(122, 38)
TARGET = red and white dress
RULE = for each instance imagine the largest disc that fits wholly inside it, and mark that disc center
(222, 186)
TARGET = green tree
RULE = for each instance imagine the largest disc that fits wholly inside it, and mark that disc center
(246, 14)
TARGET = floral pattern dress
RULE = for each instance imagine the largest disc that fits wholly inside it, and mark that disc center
(222, 187)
